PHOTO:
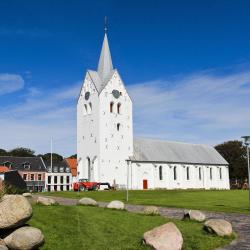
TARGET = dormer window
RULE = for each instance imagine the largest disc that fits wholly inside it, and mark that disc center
(26, 165)
(55, 169)
(7, 164)
(61, 169)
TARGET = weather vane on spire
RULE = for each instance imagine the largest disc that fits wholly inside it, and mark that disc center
(105, 24)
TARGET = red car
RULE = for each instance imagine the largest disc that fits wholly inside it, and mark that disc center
(85, 185)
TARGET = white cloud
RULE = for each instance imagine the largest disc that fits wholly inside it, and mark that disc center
(202, 108)
(10, 83)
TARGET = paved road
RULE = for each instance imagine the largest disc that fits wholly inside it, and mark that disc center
(240, 222)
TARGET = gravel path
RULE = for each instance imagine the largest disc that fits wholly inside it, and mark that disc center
(240, 222)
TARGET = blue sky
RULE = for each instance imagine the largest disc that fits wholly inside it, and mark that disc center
(185, 64)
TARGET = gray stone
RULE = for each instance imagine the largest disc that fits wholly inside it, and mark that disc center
(116, 205)
(25, 238)
(194, 215)
(87, 201)
(2, 245)
(151, 210)
(46, 201)
(15, 210)
(27, 195)
(164, 237)
(219, 227)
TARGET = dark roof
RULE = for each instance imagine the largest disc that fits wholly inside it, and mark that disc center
(17, 163)
(60, 167)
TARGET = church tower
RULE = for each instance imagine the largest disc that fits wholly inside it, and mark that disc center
(104, 124)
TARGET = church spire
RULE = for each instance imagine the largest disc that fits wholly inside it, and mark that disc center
(105, 65)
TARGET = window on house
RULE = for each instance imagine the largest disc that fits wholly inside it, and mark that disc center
(39, 177)
(160, 173)
(49, 179)
(67, 179)
(199, 173)
(187, 173)
(61, 187)
(111, 107)
(118, 108)
(211, 173)
(48, 188)
(220, 172)
(55, 187)
(25, 177)
(67, 187)
(55, 179)
(118, 126)
(61, 179)
(26, 165)
(32, 177)
(175, 173)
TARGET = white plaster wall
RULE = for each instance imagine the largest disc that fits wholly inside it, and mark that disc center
(150, 172)
(87, 129)
(115, 146)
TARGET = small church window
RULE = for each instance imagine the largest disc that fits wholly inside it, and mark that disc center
(160, 173)
(220, 172)
(199, 173)
(211, 173)
(90, 107)
(187, 173)
(118, 126)
(86, 108)
(111, 107)
(175, 174)
(118, 108)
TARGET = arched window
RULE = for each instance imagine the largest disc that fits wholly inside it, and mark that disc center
(187, 173)
(90, 108)
(211, 173)
(89, 165)
(160, 173)
(220, 172)
(118, 108)
(175, 174)
(111, 107)
(86, 109)
(118, 125)
(199, 173)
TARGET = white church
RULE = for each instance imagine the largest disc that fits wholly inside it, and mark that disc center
(108, 152)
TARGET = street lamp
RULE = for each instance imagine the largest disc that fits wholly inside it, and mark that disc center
(247, 143)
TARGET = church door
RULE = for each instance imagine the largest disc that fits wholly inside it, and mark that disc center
(145, 184)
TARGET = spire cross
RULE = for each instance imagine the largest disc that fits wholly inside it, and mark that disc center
(105, 24)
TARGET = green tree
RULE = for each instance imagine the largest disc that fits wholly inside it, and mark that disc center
(3, 152)
(22, 152)
(55, 157)
(73, 156)
(234, 153)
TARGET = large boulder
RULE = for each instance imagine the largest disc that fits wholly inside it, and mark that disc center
(27, 195)
(219, 226)
(151, 210)
(2, 245)
(87, 201)
(24, 238)
(165, 237)
(194, 215)
(15, 210)
(45, 201)
(116, 205)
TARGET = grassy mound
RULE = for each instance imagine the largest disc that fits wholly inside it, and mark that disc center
(79, 227)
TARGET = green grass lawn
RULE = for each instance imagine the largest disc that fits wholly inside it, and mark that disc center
(79, 227)
(223, 201)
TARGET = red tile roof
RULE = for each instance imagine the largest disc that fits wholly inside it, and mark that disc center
(3, 169)
(73, 165)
